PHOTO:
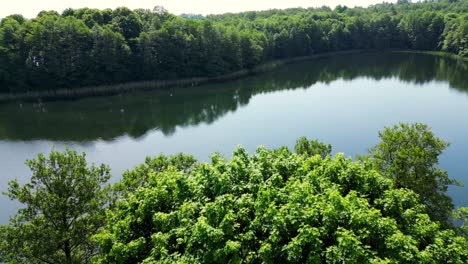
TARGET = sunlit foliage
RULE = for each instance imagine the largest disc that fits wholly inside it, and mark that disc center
(409, 155)
(272, 207)
(62, 207)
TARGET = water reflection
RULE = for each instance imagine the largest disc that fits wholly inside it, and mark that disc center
(165, 110)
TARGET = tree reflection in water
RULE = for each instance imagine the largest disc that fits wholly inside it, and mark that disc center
(135, 114)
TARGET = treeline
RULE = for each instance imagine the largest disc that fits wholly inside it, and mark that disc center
(272, 206)
(87, 47)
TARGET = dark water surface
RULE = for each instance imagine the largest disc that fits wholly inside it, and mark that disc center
(343, 100)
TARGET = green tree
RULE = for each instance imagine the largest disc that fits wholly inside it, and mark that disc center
(126, 22)
(12, 76)
(110, 55)
(63, 207)
(55, 51)
(423, 29)
(137, 177)
(456, 35)
(408, 154)
(312, 147)
(271, 207)
(59, 54)
(251, 51)
(461, 216)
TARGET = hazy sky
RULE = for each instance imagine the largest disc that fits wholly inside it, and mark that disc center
(30, 8)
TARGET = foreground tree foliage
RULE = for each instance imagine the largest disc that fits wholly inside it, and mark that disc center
(272, 207)
(88, 47)
(63, 206)
(408, 155)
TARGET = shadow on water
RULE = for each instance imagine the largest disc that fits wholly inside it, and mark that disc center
(135, 114)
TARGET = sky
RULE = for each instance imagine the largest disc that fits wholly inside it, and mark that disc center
(30, 8)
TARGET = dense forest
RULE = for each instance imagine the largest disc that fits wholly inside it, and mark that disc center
(272, 206)
(88, 47)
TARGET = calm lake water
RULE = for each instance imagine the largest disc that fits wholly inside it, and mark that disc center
(343, 100)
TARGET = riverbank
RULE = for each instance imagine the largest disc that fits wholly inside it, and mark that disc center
(435, 53)
(113, 89)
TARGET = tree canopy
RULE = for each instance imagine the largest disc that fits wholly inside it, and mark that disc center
(272, 207)
(63, 207)
(408, 155)
(312, 147)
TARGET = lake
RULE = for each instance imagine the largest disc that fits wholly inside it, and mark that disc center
(342, 100)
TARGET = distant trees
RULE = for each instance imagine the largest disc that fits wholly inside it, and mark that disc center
(424, 29)
(11, 54)
(312, 148)
(110, 55)
(92, 47)
(456, 35)
(59, 52)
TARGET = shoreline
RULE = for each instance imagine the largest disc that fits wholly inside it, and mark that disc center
(433, 53)
(119, 88)
(114, 89)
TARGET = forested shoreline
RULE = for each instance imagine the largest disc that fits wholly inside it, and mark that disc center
(149, 85)
(89, 47)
